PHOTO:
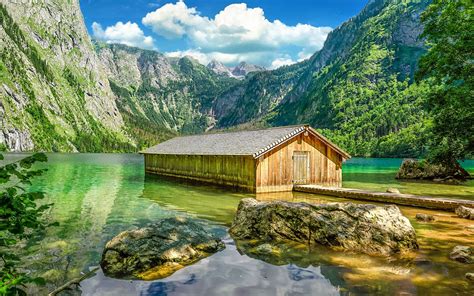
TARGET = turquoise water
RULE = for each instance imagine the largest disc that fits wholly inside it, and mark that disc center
(96, 196)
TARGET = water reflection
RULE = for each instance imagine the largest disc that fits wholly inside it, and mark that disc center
(225, 273)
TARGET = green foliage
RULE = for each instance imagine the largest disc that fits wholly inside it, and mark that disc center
(449, 29)
(20, 219)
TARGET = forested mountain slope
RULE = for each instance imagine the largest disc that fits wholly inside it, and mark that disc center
(54, 95)
(357, 88)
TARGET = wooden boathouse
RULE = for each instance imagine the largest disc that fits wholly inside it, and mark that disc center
(265, 160)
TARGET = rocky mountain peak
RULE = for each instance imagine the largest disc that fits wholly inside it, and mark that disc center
(243, 68)
(219, 68)
(239, 71)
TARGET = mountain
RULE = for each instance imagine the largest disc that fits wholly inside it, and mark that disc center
(54, 94)
(159, 96)
(219, 68)
(357, 88)
(242, 69)
(61, 92)
(239, 71)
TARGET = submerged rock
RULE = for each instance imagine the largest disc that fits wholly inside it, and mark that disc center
(424, 217)
(377, 230)
(158, 250)
(470, 276)
(423, 170)
(465, 212)
(463, 254)
(393, 190)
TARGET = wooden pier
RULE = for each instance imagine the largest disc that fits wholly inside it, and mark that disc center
(429, 202)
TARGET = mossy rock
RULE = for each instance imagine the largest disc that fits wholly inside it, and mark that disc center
(158, 250)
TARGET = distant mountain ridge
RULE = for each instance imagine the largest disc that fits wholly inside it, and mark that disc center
(239, 71)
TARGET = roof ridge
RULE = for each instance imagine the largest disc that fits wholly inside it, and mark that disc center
(243, 142)
(241, 131)
(295, 132)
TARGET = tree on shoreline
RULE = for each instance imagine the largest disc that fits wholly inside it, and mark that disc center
(20, 219)
(449, 66)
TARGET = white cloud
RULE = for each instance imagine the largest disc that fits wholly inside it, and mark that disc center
(124, 33)
(279, 62)
(235, 32)
(196, 54)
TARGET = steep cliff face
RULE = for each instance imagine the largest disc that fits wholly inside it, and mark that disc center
(160, 96)
(54, 94)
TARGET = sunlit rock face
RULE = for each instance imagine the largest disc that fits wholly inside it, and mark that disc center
(53, 87)
(158, 250)
(374, 230)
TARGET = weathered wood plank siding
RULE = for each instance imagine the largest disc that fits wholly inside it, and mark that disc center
(275, 169)
(238, 171)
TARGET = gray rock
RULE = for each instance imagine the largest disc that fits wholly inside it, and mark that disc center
(424, 217)
(16, 140)
(377, 230)
(158, 250)
(465, 212)
(463, 254)
(393, 190)
(470, 276)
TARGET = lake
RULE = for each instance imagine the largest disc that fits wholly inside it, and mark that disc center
(96, 196)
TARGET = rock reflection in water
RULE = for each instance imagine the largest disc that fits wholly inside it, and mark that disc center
(225, 273)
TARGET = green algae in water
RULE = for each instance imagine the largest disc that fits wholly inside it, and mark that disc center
(96, 196)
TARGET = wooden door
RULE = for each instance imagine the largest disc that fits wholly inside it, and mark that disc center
(300, 167)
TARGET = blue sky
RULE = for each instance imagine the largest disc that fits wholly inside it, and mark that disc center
(265, 32)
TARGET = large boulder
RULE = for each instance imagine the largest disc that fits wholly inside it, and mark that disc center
(465, 212)
(463, 254)
(424, 170)
(376, 230)
(158, 250)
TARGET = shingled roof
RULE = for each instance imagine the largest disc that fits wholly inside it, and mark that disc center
(253, 143)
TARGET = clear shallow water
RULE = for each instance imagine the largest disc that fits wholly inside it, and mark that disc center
(96, 196)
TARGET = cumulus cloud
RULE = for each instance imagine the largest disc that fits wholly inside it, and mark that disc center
(235, 33)
(279, 62)
(193, 53)
(124, 33)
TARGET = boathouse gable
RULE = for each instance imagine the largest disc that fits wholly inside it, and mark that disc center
(266, 160)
